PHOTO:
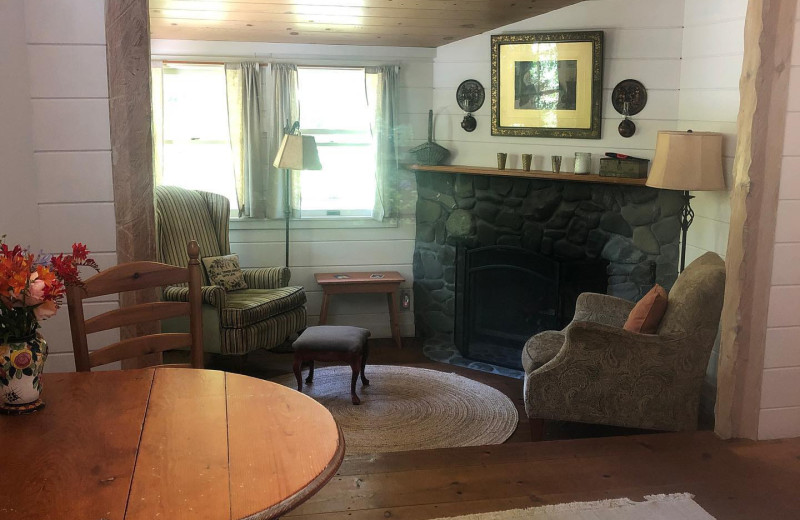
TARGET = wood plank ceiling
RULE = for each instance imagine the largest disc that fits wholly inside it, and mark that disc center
(402, 23)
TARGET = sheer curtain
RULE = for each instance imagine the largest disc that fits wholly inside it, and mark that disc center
(244, 121)
(157, 89)
(282, 83)
(381, 86)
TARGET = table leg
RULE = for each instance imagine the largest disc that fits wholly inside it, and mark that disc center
(323, 312)
(394, 319)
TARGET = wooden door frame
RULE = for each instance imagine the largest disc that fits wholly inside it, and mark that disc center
(763, 88)
(128, 62)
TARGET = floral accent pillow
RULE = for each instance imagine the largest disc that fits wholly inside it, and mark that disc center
(225, 272)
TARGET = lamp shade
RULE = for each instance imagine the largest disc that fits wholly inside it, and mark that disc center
(687, 161)
(298, 152)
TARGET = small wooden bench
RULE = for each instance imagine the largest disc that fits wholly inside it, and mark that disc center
(332, 343)
(387, 282)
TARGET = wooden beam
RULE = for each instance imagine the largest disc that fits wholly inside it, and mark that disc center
(128, 57)
(769, 31)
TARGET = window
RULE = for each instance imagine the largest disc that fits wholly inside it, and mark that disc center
(333, 109)
(196, 142)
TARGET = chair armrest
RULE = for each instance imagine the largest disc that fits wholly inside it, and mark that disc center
(608, 375)
(210, 294)
(267, 277)
(603, 309)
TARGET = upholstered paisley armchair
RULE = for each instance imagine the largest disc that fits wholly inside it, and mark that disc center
(236, 322)
(594, 371)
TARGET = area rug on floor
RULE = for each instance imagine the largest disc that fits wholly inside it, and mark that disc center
(406, 408)
(679, 506)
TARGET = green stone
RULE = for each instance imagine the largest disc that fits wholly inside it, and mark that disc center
(428, 211)
(644, 239)
(460, 223)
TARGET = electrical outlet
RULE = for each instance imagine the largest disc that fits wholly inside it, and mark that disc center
(405, 299)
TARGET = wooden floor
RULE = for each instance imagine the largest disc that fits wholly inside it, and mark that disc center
(730, 479)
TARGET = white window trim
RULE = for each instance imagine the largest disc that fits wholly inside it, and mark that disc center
(313, 223)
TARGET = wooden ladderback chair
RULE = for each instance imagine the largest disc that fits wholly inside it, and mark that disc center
(135, 276)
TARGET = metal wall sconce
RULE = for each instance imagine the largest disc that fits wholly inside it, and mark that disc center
(629, 98)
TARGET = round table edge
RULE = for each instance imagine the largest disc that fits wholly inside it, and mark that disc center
(293, 501)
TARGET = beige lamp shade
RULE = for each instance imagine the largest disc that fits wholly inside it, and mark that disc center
(298, 152)
(687, 161)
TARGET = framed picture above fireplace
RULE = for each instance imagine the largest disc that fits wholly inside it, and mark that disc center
(547, 84)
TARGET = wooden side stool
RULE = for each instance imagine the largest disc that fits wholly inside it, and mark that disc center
(332, 343)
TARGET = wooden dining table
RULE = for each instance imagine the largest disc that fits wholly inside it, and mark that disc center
(165, 443)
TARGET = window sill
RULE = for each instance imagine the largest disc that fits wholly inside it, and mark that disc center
(312, 223)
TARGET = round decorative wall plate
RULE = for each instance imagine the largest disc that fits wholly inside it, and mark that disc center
(631, 92)
(470, 95)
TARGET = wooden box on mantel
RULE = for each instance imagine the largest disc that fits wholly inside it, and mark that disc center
(627, 168)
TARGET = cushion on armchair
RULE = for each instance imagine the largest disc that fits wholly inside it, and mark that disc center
(647, 313)
(225, 272)
(249, 306)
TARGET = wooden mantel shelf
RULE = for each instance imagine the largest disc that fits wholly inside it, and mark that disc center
(533, 174)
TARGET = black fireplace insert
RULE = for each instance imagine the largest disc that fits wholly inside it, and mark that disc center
(505, 295)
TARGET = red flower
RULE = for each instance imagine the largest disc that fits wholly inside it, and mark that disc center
(80, 252)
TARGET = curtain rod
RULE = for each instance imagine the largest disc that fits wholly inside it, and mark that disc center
(186, 62)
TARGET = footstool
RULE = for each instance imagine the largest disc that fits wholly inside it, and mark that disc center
(332, 343)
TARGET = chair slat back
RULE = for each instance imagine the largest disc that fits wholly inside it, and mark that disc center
(135, 276)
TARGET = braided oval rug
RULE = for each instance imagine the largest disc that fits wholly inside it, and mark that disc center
(406, 408)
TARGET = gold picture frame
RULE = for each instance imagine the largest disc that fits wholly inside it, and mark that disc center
(547, 84)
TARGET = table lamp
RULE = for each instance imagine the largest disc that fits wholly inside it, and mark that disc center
(687, 161)
(297, 152)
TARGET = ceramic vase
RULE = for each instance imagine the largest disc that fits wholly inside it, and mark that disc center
(21, 365)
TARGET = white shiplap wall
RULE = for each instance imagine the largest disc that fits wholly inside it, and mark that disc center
(327, 246)
(66, 56)
(780, 385)
(713, 48)
(19, 216)
(642, 41)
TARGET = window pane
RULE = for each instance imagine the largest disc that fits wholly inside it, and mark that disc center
(199, 166)
(197, 150)
(333, 108)
(346, 182)
(332, 99)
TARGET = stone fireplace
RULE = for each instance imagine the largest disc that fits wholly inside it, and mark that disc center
(632, 230)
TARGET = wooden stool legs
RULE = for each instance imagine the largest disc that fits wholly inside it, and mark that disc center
(355, 366)
(357, 362)
(364, 355)
(298, 360)
(310, 378)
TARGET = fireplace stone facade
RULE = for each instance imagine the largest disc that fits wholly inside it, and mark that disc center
(635, 228)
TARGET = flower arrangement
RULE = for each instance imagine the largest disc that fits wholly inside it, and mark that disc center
(32, 286)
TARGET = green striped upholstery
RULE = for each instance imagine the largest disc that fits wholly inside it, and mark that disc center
(262, 316)
(267, 277)
(182, 216)
(266, 334)
(249, 306)
(213, 295)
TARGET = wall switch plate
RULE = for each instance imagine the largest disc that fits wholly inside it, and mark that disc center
(405, 299)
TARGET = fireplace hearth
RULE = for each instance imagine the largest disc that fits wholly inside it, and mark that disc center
(505, 295)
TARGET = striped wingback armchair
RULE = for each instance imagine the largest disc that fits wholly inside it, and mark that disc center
(234, 322)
